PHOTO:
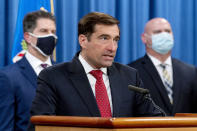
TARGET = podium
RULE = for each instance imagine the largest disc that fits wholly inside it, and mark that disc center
(69, 123)
(186, 115)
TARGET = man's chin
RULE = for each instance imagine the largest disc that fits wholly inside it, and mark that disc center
(107, 64)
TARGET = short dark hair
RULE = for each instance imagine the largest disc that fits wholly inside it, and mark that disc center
(87, 24)
(30, 20)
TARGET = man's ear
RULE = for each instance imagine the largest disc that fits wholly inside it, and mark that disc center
(82, 40)
(27, 37)
(143, 38)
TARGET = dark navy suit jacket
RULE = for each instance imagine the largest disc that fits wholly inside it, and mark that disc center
(17, 89)
(184, 85)
(65, 90)
(18, 84)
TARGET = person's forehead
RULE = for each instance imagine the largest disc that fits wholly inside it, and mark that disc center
(45, 23)
(106, 29)
(158, 24)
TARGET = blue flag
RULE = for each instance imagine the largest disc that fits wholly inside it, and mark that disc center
(24, 7)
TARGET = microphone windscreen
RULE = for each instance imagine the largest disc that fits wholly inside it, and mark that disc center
(137, 89)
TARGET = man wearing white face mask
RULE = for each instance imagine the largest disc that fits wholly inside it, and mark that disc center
(18, 82)
(170, 81)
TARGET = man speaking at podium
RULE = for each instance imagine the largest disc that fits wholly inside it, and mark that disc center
(92, 84)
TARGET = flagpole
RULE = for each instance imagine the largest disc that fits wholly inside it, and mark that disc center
(52, 11)
(52, 7)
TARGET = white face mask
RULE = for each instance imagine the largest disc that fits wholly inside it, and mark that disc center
(162, 43)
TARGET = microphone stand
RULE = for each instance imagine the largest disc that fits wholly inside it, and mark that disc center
(148, 97)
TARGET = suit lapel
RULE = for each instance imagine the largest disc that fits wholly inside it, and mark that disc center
(176, 84)
(82, 85)
(28, 71)
(152, 71)
(115, 86)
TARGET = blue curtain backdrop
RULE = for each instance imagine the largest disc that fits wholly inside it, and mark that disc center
(132, 14)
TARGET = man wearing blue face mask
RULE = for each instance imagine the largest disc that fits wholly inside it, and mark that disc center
(170, 81)
(18, 82)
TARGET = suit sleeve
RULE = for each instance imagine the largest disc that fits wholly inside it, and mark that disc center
(194, 93)
(6, 103)
(45, 99)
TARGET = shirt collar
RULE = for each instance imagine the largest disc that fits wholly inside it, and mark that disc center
(35, 62)
(156, 62)
(87, 67)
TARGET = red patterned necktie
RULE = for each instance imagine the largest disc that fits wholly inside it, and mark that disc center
(101, 94)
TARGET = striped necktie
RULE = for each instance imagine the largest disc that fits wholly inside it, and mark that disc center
(167, 82)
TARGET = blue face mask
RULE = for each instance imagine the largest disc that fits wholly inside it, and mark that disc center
(162, 43)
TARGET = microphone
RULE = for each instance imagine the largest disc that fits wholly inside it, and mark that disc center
(146, 94)
(139, 90)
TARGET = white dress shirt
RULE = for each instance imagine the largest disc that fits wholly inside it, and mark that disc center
(36, 63)
(168, 64)
(92, 80)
